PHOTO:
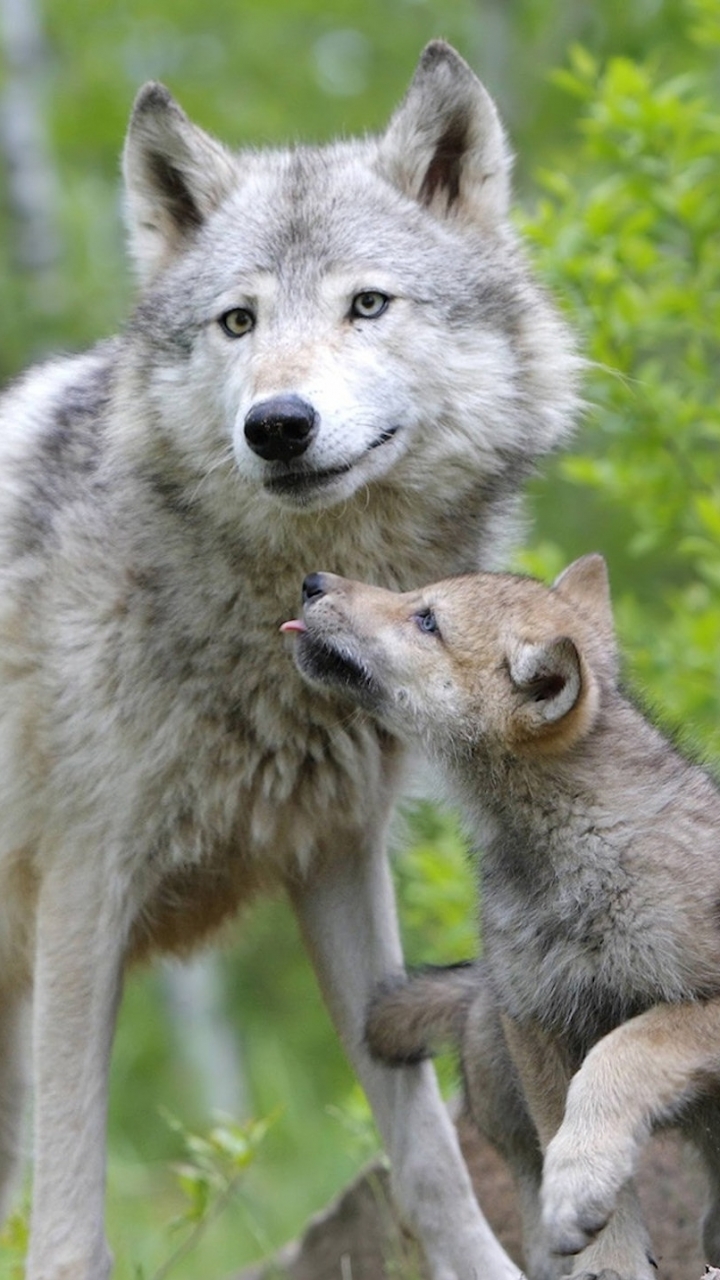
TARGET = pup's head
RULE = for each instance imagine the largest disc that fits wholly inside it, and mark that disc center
(486, 658)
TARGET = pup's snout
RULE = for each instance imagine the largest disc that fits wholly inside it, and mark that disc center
(313, 587)
(280, 428)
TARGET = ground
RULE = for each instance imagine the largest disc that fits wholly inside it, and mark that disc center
(351, 1238)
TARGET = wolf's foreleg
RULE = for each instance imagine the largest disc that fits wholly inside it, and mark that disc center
(82, 920)
(12, 1087)
(637, 1077)
(347, 915)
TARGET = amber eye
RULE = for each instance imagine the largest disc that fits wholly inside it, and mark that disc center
(237, 322)
(427, 622)
(369, 305)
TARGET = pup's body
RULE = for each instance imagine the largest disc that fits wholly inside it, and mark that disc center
(338, 352)
(600, 881)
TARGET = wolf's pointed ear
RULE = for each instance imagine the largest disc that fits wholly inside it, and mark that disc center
(548, 677)
(175, 174)
(585, 583)
(445, 145)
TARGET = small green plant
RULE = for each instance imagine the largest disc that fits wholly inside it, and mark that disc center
(209, 1178)
(14, 1242)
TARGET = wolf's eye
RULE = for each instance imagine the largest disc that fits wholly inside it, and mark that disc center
(237, 322)
(427, 622)
(369, 305)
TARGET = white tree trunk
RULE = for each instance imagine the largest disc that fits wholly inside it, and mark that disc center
(32, 182)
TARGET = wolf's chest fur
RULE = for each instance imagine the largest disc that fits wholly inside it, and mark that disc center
(164, 705)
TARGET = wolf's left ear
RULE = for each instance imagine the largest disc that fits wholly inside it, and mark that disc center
(445, 145)
(175, 175)
(548, 677)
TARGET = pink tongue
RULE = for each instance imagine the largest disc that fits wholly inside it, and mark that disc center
(296, 624)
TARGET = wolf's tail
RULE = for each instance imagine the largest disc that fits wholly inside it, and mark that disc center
(409, 1017)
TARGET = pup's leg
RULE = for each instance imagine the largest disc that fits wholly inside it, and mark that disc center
(637, 1077)
(703, 1126)
(13, 1049)
(82, 919)
(497, 1104)
(347, 914)
(411, 1017)
(623, 1246)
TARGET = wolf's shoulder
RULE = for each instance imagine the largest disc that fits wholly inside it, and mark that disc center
(51, 431)
(43, 403)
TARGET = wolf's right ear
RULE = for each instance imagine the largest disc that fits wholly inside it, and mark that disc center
(175, 174)
(445, 145)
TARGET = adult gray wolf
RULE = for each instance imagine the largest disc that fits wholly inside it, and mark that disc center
(600, 883)
(338, 353)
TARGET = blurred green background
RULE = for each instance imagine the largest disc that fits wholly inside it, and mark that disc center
(615, 118)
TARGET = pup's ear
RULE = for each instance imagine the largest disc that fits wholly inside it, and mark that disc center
(585, 583)
(175, 175)
(548, 677)
(445, 145)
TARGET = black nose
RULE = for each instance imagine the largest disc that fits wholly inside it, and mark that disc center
(280, 428)
(312, 587)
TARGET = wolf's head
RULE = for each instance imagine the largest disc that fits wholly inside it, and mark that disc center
(323, 319)
(485, 660)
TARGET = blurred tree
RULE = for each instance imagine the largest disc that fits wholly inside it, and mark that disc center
(32, 180)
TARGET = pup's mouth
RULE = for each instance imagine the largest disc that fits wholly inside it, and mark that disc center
(326, 663)
(300, 482)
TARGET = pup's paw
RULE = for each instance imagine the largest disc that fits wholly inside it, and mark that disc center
(597, 1275)
(578, 1195)
(572, 1233)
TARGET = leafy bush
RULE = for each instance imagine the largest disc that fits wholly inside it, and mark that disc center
(628, 232)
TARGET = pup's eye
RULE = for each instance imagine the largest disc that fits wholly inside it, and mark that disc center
(237, 322)
(369, 305)
(427, 622)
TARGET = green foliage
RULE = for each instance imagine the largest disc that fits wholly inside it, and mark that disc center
(209, 1177)
(13, 1243)
(628, 232)
(436, 886)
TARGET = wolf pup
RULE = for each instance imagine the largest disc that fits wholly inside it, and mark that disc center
(600, 887)
(337, 353)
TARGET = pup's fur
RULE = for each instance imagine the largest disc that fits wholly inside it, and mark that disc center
(338, 354)
(600, 886)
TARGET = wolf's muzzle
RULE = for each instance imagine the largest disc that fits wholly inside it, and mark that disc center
(280, 428)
